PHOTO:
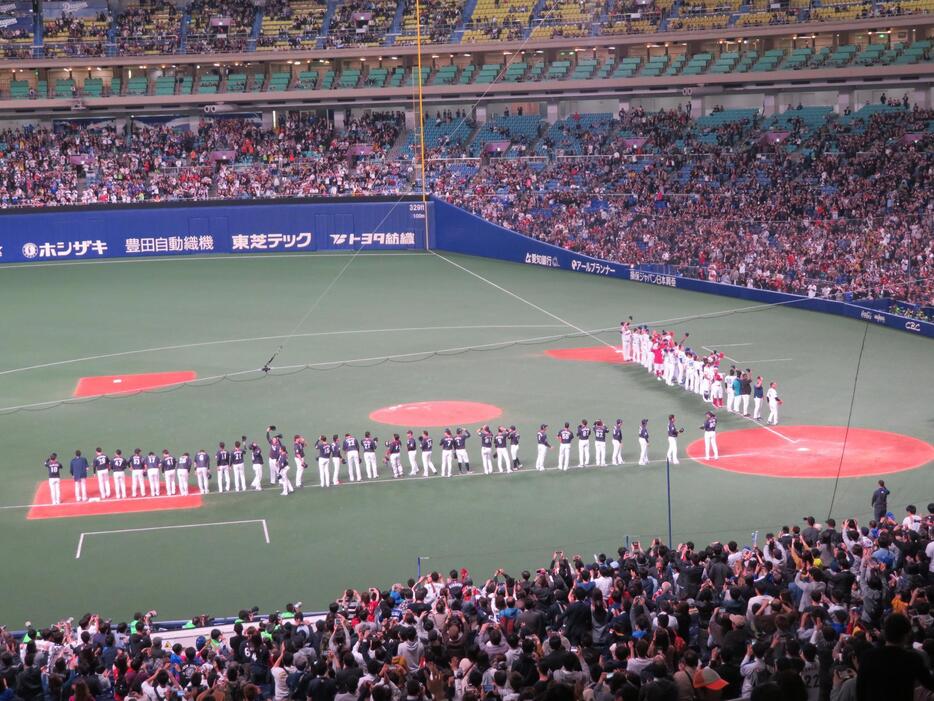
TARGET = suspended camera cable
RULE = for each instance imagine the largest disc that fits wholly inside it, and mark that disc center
(849, 419)
(267, 366)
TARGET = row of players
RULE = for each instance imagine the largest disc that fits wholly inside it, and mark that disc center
(676, 364)
(152, 469)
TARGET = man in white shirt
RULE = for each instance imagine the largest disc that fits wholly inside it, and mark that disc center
(280, 674)
(912, 521)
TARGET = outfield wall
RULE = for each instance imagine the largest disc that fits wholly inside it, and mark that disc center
(459, 231)
(275, 226)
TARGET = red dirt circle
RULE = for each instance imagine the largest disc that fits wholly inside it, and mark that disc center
(814, 452)
(121, 384)
(436, 413)
(594, 354)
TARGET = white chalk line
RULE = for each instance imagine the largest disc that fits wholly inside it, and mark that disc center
(254, 339)
(730, 345)
(523, 300)
(767, 360)
(170, 527)
(528, 469)
(200, 258)
(322, 364)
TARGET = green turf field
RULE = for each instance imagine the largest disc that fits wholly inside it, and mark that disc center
(224, 315)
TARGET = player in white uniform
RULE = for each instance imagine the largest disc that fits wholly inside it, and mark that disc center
(730, 392)
(758, 394)
(626, 334)
(564, 446)
(773, 401)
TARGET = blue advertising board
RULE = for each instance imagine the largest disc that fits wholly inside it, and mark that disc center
(249, 227)
(459, 231)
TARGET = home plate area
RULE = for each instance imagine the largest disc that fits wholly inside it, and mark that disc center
(815, 452)
(42, 507)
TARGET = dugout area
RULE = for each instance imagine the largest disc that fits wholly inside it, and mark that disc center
(406, 328)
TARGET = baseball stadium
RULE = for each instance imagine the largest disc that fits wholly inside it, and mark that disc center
(467, 350)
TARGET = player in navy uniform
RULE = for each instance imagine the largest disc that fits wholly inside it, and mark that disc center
(486, 449)
(710, 436)
(644, 442)
(298, 450)
(541, 438)
(275, 445)
(102, 470)
(583, 443)
(501, 443)
(369, 444)
(336, 458)
(618, 443)
(411, 447)
(394, 455)
(514, 447)
(256, 459)
(237, 458)
(222, 458)
(352, 453)
(202, 467)
(182, 471)
(79, 472)
(137, 466)
(460, 450)
(54, 469)
(118, 467)
(447, 453)
(168, 465)
(599, 443)
(565, 437)
(154, 474)
(758, 394)
(426, 445)
(673, 432)
(282, 472)
(324, 461)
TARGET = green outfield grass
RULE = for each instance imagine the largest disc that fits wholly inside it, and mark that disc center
(225, 315)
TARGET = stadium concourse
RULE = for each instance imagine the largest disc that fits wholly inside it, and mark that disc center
(838, 207)
(815, 611)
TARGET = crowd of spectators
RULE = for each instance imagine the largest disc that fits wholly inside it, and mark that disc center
(816, 612)
(220, 25)
(153, 26)
(71, 35)
(848, 211)
(841, 209)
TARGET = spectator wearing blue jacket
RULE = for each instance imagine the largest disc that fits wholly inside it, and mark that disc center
(79, 471)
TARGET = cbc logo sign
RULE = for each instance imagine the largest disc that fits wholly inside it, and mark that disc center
(30, 250)
(913, 326)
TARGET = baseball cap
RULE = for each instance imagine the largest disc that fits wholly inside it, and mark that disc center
(707, 678)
